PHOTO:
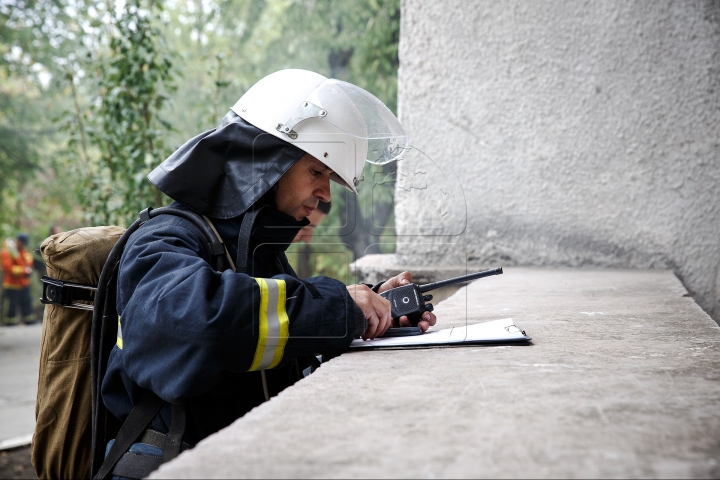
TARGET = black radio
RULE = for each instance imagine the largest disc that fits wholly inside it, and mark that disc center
(411, 300)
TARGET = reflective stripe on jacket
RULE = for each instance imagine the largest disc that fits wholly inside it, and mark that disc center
(192, 334)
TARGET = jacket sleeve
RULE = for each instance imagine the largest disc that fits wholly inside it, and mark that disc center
(7, 263)
(27, 259)
(10, 267)
(183, 325)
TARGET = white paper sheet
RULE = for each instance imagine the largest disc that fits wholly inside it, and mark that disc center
(496, 331)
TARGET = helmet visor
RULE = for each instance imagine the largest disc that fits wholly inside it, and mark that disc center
(360, 114)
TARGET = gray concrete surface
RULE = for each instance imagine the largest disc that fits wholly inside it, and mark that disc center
(19, 359)
(622, 380)
(563, 133)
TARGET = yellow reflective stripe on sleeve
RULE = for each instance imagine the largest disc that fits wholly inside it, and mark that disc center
(119, 342)
(283, 322)
(262, 324)
(274, 327)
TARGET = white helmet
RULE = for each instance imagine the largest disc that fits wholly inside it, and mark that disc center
(336, 122)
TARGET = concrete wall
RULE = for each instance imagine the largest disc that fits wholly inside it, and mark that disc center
(563, 133)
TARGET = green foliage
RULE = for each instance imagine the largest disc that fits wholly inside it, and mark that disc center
(330, 259)
(112, 83)
(356, 41)
(121, 137)
(18, 153)
(32, 34)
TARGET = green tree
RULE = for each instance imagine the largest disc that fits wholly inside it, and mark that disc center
(113, 74)
(121, 136)
(19, 155)
(356, 41)
(33, 33)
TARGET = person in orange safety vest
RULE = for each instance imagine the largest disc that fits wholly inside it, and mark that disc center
(17, 266)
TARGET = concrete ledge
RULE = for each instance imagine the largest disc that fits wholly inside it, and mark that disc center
(622, 380)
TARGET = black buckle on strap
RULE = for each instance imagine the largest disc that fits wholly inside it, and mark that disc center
(157, 439)
(145, 215)
(66, 294)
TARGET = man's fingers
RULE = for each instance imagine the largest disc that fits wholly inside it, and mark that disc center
(377, 310)
(405, 278)
(430, 318)
(380, 308)
(383, 301)
(424, 325)
(388, 322)
(427, 321)
(384, 313)
(372, 326)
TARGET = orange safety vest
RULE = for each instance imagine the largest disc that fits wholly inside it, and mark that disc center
(15, 260)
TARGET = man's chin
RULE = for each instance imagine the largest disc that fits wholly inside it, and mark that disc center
(298, 215)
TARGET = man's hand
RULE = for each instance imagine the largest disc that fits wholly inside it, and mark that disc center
(428, 318)
(376, 309)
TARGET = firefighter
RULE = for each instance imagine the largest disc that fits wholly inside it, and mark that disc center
(220, 343)
(17, 266)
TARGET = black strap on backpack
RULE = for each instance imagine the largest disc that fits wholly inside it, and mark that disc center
(134, 425)
(104, 337)
(243, 246)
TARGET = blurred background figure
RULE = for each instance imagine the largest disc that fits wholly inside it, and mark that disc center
(304, 252)
(306, 233)
(17, 266)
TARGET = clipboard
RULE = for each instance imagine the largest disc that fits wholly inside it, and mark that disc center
(497, 331)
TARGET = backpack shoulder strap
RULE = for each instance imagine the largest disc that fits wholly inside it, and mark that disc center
(217, 235)
(217, 248)
(243, 246)
(104, 336)
(135, 424)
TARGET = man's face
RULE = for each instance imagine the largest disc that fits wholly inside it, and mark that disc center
(302, 187)
(306, 233)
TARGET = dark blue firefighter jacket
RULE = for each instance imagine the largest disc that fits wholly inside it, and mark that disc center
(192, 334)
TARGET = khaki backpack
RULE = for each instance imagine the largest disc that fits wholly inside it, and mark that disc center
(62, 443)
(79, 330)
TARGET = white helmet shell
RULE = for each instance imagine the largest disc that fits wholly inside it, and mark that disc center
(336, 122)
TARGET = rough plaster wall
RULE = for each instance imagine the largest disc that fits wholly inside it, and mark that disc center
(581, 133)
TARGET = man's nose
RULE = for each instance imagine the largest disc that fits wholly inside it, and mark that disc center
(323, 191)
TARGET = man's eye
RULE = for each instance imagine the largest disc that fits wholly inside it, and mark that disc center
(315, 172)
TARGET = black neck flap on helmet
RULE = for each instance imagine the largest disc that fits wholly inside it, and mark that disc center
(221, 173)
